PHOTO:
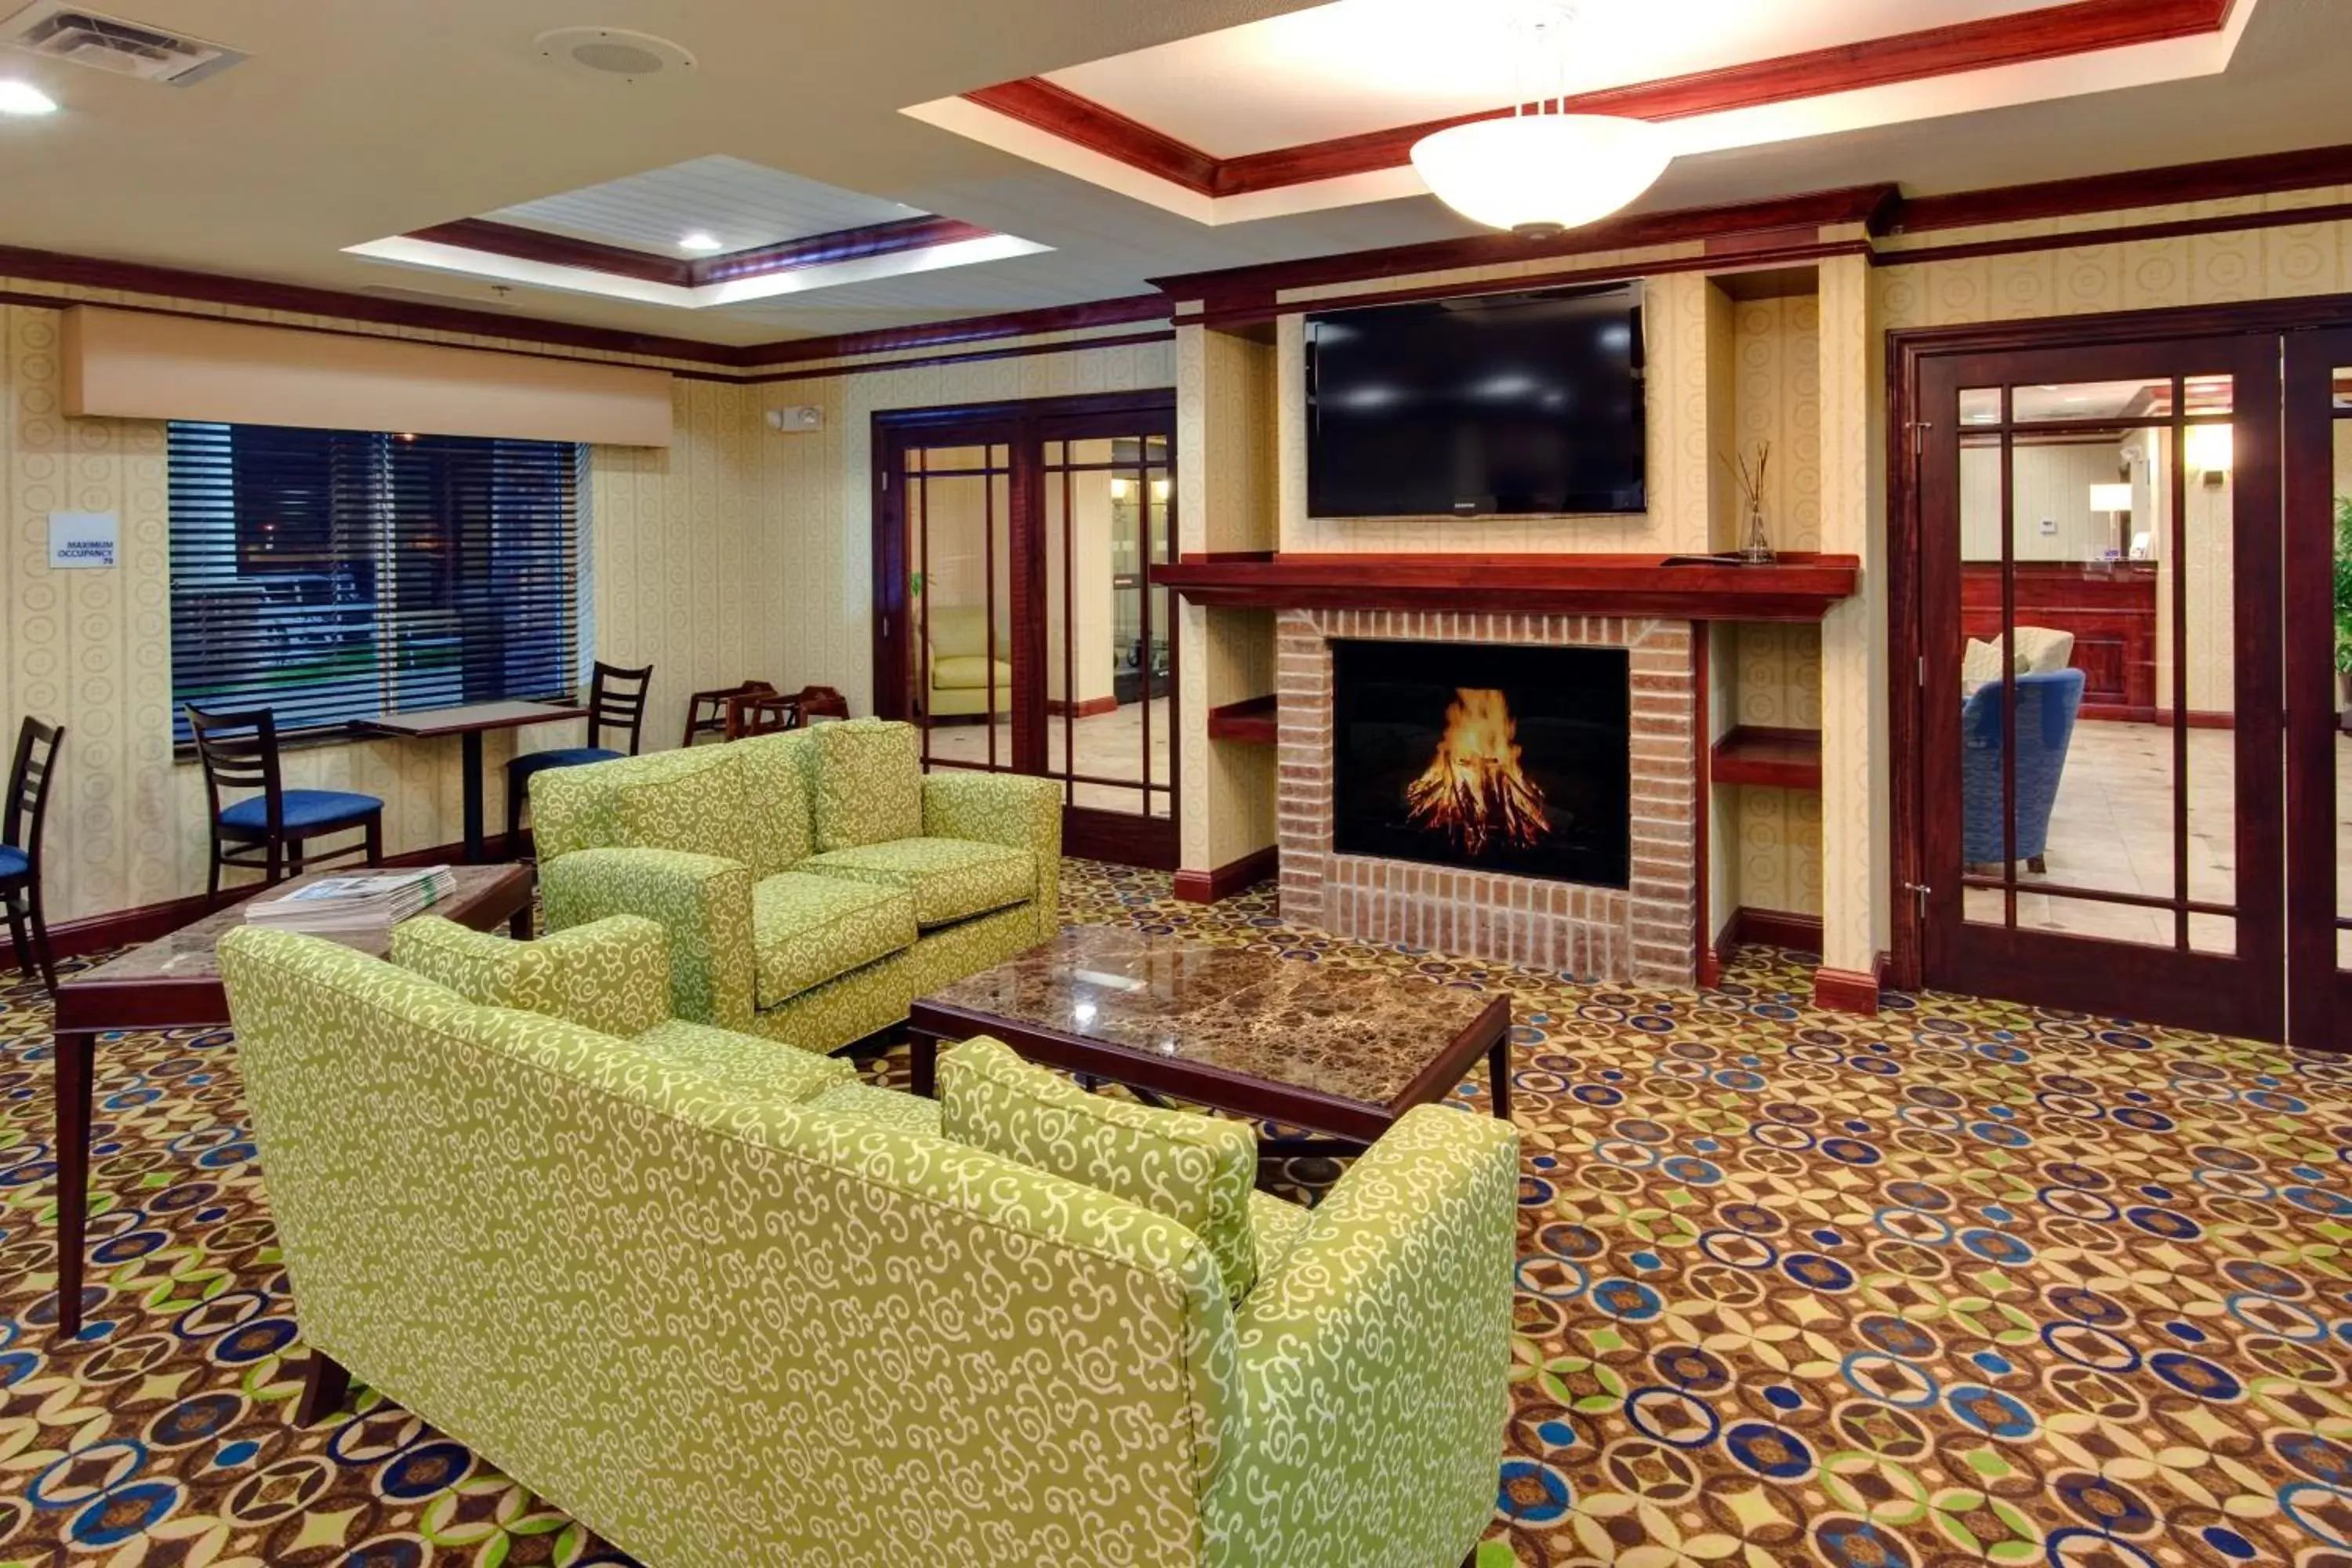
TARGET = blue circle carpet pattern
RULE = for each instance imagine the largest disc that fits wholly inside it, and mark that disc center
(1967, 1284)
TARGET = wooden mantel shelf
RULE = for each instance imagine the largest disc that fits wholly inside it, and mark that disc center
(1794, 588)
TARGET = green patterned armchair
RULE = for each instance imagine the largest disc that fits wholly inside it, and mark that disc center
(813, 883)
(724, 1320)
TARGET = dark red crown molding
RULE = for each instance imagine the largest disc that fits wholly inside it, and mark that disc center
(2052, 32)
(219, 289)
(1245, 287)
(965, 330)
(494, 238)
(2264, 175)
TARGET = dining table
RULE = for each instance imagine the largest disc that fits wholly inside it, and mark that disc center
(469, 725)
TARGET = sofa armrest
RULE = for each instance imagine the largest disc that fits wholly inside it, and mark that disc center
(703, 902)
(1375, 1361)
(611, 975)
(1003, 808)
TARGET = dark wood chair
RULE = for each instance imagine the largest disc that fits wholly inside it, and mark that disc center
(616, 702)
(761, 713)
(21, 817)
(821, 702)
(271, 832)
(706, 711)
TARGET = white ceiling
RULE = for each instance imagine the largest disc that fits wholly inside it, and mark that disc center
(737, 203)
(1355, 66)
(358, 119)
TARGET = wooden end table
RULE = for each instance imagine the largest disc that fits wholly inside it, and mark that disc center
(1340, 1052)
(174, 982)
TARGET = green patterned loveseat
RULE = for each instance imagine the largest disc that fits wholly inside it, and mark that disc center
(813, 883)
(725, 1319)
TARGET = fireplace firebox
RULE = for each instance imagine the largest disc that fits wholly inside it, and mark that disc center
(1486, 756)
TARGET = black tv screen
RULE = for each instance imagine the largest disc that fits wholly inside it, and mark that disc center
(1508, 404)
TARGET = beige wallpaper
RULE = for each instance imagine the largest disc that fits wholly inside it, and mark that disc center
(92, 649)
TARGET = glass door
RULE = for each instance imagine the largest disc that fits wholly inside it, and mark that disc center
(1015, 621)
(2100, 605)
(2318, 553)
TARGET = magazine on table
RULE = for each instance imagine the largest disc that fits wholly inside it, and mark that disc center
(363, 903)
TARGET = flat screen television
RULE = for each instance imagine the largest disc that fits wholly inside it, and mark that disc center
(1506, 405)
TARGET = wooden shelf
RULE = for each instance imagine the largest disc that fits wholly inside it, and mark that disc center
(1251, 721)
(1794, 588)
(1775, 758)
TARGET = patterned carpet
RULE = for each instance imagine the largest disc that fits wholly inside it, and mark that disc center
(1967, 1284)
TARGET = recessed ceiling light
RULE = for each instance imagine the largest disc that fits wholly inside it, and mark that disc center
(23, 98)
(699, 240)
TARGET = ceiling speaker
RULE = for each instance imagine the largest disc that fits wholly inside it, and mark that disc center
(614, 53)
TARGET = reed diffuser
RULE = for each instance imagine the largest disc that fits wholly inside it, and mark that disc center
(1757, 549)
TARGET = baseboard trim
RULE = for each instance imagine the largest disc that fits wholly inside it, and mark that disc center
(95, 933)
(1085, 708)
(1209, 887)
(1847, 990)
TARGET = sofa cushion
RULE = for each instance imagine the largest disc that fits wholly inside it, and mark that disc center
(699, 810)
(1193, 1169)
(869, 783)
(746, 1064)
(611, 975)
(808, 929)
(1276, 1227)
(967, 670)
(778, 833)
(950, 878)
(882, 1107)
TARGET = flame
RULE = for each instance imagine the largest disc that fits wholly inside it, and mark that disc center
(1474, 791)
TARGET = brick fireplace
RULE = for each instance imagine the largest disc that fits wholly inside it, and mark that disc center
(1643, 931)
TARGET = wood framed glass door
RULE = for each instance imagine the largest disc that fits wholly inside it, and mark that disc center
(2318, 627)
(1014, 622)
(2100, 710)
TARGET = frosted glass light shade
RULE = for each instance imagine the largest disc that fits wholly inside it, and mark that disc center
(1540, 174)
(2111, 498)
(2208, 448)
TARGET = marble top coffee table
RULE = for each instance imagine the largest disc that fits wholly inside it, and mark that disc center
(1338, 1051)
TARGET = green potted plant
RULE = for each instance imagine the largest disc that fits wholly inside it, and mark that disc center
(2344, 608)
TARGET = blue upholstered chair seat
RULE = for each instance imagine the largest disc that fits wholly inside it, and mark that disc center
(2047, 704)
(307, 810)
(531, 763)
(14, 862)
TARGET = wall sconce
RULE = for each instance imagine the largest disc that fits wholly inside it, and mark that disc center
(2207, 449)
(1121, 488)
(1161, 489)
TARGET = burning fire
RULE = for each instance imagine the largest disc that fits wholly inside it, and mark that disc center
(1472, 790)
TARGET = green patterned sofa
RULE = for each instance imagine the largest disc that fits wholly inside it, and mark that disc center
(724, 1319)
(813, 883)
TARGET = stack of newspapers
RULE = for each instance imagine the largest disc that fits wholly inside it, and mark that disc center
(374, 902)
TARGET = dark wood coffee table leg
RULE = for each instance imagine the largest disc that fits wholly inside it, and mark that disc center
(74, 1054)
(519, 924)
(1498, 1073)
(922, 1063)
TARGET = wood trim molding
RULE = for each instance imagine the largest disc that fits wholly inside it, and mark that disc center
(1120, 312)
(2126, 234)
(1845, 991)
(2265, 173)
(1085, 708)
(1210, 887)
(495, 238)
(969, 356)
(146, 922)
(2052, 32)
(1798, 588)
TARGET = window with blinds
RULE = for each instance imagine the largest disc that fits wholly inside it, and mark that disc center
(334, 574)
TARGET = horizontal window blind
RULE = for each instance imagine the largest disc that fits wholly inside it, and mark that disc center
(330, 576)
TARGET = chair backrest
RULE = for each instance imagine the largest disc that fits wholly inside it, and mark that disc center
(706, 711)
(239, 752)
(761, 713)
(29, 776)
(961, 631)
(783, 1243)
(616, 701)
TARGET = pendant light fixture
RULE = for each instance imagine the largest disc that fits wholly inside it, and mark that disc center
(1541, 171)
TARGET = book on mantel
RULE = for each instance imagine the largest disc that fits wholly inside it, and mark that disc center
(369, 903)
